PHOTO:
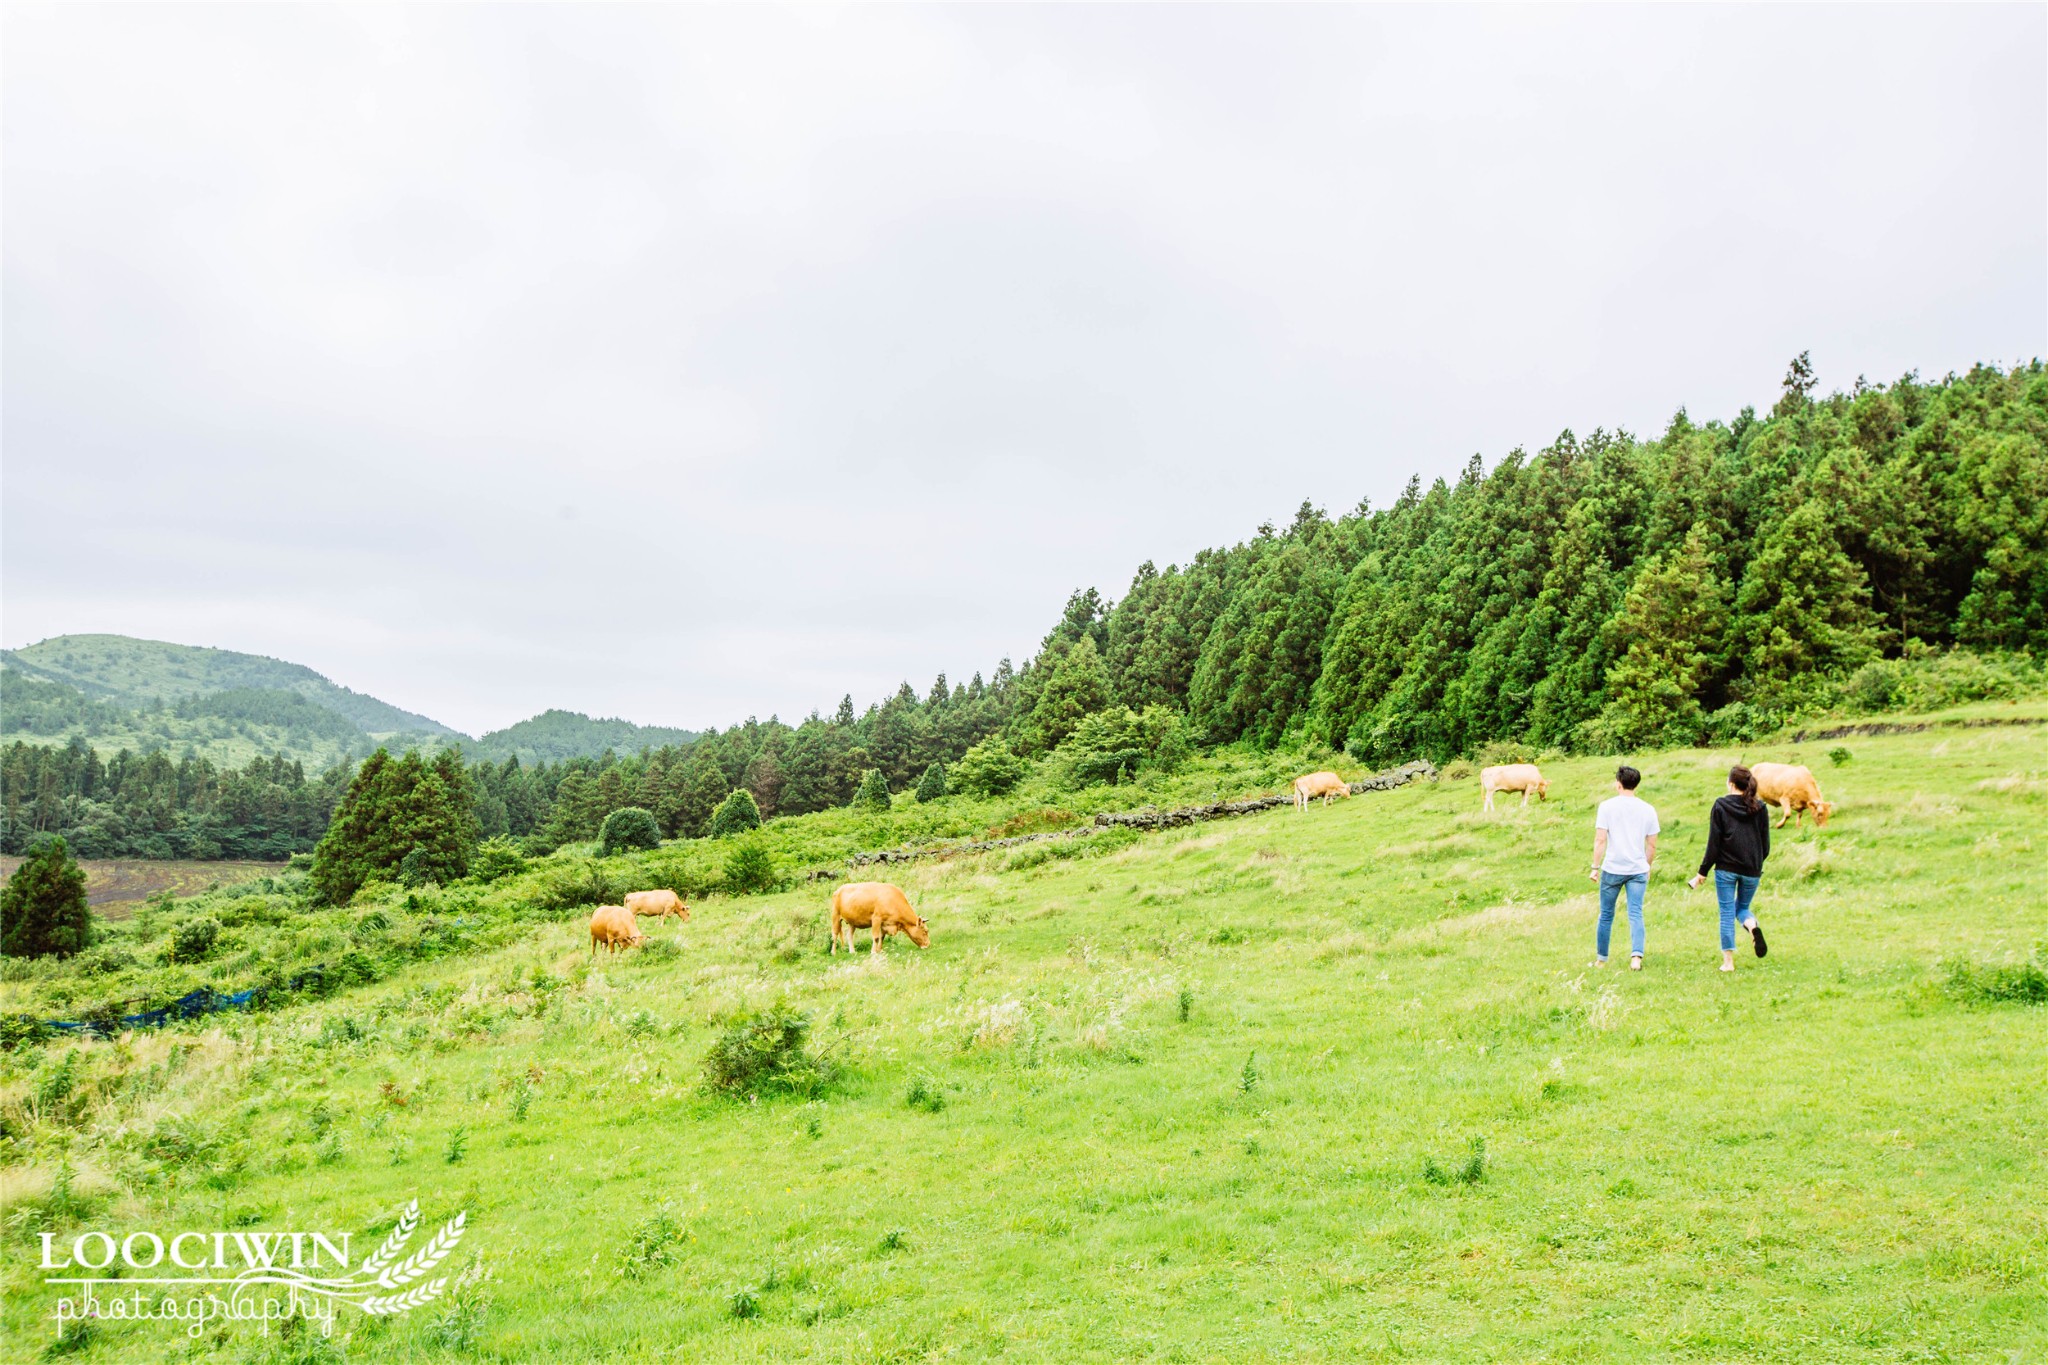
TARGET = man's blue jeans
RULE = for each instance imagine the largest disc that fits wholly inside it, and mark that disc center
(1611, 884)
(1736, 891)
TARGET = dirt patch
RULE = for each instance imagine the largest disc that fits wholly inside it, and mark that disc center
(115, 886)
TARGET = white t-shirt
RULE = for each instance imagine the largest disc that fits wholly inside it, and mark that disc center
(1629, 821)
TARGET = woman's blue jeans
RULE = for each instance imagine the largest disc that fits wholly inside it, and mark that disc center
(1736, 892)
(1611, 885)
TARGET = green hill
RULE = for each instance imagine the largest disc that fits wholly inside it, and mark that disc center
(555, 735)
(1335, 1085)
(138, 673)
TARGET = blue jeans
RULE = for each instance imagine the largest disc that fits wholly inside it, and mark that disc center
(1611, 884)
(1736, 892)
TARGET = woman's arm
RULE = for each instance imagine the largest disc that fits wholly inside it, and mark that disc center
(1713, 853)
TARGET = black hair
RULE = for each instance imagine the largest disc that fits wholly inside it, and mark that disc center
(1744, 781)
(1627, 777)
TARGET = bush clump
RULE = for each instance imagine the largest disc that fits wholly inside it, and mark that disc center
(737, 814)
(628, 827)
(193, 940)
(932, 786)
(987, 769)
(1115, 745)
(497, 859)
(766, 1053)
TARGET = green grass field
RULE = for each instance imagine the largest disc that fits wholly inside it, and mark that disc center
(1325, 1087)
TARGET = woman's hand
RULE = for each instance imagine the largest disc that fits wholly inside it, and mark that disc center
(1697, 878)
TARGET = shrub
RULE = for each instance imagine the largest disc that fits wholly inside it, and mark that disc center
(573, 885)
(925, 1093)
(497, 859)
(987, 769)
(750, 868)
(193, 940)
(626, 828)
(22, 1030)
(1114, 745)
(1838, 756)
(43, 912)
(652, 1244)
(766, 1054)
(932, 786)
(735, 815)
(873, 793)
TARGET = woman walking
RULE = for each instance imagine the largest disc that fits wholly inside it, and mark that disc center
(1738, 841)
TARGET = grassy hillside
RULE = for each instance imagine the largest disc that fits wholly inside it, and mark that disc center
(1333, 1086)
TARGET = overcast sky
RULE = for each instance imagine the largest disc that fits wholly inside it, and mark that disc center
(691, 363)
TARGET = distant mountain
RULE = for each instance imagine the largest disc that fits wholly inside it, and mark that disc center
(138, 673)
(555, 735)
(114, 692)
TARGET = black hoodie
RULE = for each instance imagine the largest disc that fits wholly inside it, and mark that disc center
(1738, 839)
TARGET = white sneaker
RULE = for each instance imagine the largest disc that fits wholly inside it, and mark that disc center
(1635, 962)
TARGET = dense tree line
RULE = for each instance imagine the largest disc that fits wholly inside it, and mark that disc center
(1603, 593)
(151, 806)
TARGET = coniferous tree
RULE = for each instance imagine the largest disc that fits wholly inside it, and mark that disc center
(873, 793)
(932, 786)
(43, 910)
(1078, 685)
(1668, 637)
(1804, 607)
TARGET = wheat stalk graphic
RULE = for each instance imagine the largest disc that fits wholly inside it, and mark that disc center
(395, 1243)
(429, 1256)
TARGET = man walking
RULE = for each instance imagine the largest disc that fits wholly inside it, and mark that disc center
(1624, 846)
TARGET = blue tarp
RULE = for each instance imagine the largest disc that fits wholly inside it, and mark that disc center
(189, 1006)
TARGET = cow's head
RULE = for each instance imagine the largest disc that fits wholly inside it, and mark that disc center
(919, 933)
(684, 912)
(1542, 789)
(1821, 811)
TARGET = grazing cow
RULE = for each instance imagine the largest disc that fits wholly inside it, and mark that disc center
(1325, 785)
(1514, 777)
(613, 926)
(879, 907)
(1791, 786)
(657, 904)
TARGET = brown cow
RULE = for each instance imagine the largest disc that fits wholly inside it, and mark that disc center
(1514, 777)
(879, 907)
(657, 904)
(613, 926)
(1791, 786)
(1325, 785)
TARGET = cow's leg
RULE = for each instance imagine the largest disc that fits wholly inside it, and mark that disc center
(1489, 800)
(875, 928)
(1783, 818)
(1525, 798)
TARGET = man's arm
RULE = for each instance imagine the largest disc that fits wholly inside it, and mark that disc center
(1599, 853)
(1650, 850)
